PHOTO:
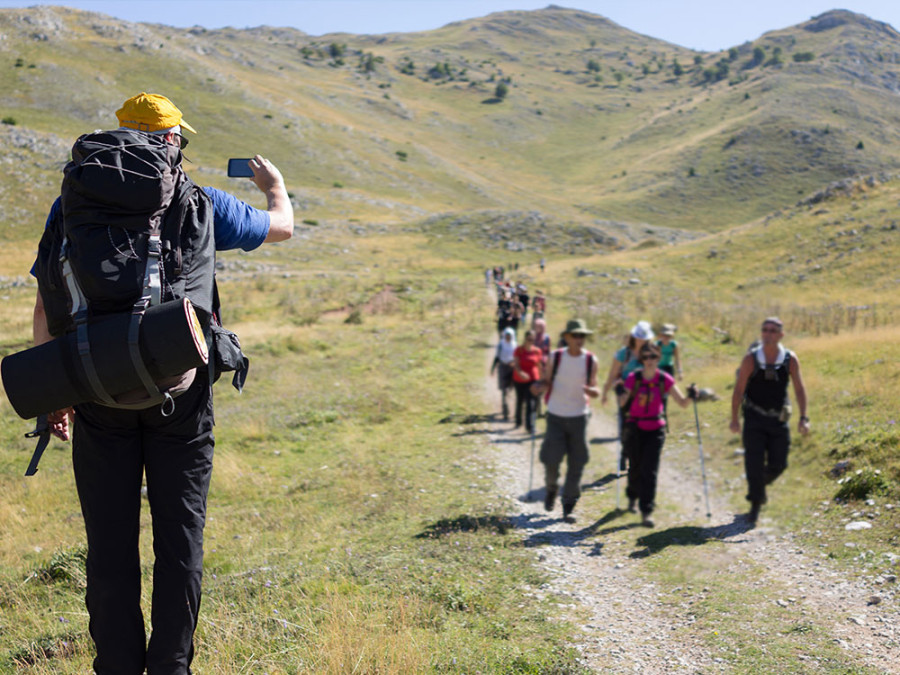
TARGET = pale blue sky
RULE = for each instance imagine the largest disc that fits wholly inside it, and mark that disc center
(699, 24)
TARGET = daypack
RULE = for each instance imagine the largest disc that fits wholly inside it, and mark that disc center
(557, 357)
(638, 379)
(132, 230)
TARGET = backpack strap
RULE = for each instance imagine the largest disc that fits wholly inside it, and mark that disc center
(589, 365)
(557, 357)
(79, 316)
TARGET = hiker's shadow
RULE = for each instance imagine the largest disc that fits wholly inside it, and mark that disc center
(691, 536)
(578, 538)
(519, 439)
(601, 440)
(600, 482)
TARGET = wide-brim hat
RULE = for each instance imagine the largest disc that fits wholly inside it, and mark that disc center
(642, 331)
(151, 112)
(668, 329)
(577, 327)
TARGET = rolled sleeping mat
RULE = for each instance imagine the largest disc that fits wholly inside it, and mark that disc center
(51, 376)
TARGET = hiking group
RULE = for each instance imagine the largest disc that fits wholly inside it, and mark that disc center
(130, 233)
(642, 375)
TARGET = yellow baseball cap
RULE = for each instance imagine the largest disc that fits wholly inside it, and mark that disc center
(150, 112)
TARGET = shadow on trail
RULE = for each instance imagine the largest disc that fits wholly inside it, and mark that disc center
(600, 482)
(691, 536)
(467, 523)
(520, 439)
(575, 537)
(599, 441)
(460, 418)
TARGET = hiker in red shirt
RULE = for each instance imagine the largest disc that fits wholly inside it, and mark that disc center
(526, 371)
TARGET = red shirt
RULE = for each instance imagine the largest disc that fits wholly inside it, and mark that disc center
(527, 359)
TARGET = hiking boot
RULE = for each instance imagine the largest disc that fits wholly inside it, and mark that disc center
(632, 506)
(647, 521)
(567, 513)
(623, 464)
(549, 500)
(753, 513)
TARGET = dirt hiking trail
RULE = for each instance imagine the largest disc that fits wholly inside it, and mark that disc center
(602, 583)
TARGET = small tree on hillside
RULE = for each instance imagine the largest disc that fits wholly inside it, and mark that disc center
(501, 90)
(593, 66)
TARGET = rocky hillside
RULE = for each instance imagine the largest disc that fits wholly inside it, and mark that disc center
(556, 114)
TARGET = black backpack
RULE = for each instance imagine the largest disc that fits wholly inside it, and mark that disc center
(132, 230)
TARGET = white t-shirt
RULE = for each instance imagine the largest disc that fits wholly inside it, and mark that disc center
(567, 399)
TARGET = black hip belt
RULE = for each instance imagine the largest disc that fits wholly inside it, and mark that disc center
(782, 414)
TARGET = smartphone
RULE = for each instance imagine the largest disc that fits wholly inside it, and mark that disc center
(240, 168)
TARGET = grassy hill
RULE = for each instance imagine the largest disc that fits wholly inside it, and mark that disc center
(598, 125)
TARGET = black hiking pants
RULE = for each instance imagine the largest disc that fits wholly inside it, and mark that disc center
(565, 438)
(525, 402)
(644, 449)
(766, 445)
(111, 451)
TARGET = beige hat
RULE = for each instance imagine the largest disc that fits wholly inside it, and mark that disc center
(577, 327)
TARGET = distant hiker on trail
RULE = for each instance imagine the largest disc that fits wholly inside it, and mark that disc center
(541, 339)
(625, 361)
(488, 276)
(505, 312)
(516, 313)
(761, 391)
(539, 305)
(671, 355)
(522, 293)
(526, 372)
(503, 364)
(118, 223)
(542, 342)
(543, 264)
(645, 428)
(569, 379)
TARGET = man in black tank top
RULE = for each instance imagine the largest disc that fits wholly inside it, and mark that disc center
(762, 391)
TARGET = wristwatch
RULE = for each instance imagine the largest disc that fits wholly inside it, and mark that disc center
(804, 418)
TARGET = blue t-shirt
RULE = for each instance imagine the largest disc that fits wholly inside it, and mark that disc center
(236, 224)
(632, 364)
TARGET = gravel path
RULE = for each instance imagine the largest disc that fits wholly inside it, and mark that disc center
(600, 582)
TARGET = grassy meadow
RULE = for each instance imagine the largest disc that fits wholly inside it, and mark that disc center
(353, 524)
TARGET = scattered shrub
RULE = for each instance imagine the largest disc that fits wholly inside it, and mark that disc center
(9, 120)
(337, 184)
(310, 221)
(800, 57)
(593, 66)
(863, 484)
(501, 90)
(402, 155)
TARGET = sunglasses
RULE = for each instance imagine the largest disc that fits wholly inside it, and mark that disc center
(771, 330)
(650, 357)
(182, 141)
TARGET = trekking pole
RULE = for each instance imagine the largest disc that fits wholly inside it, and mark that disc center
(702, 462)
(619, 458)
(531, 469)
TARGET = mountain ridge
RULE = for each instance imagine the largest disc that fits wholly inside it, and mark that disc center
(598, 122)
